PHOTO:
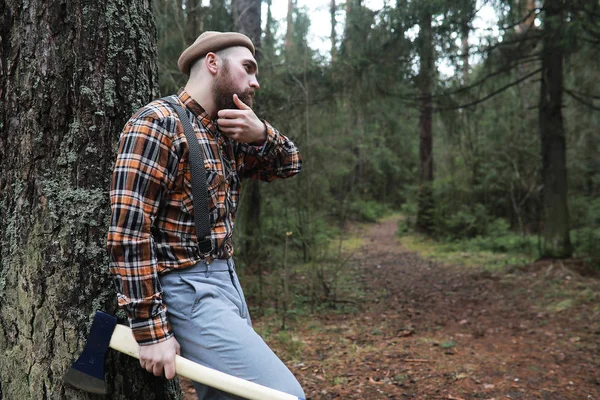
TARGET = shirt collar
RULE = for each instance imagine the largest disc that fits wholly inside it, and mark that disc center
(197, 110)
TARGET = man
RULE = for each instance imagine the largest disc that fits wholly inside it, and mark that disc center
(176, 298)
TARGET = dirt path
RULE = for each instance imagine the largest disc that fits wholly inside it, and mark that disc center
(430, 331)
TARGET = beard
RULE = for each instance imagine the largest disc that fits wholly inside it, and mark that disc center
(224, 89)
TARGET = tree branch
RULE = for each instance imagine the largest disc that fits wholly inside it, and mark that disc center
(578, 93)
(494, 93)
(582, 101)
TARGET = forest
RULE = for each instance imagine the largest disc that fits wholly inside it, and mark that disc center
(441, 240)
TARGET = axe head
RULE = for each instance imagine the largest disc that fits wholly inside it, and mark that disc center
(88, 371)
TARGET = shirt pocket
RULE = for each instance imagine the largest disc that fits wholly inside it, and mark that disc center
(215, 181)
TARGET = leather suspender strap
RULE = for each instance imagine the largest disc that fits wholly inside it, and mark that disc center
(199, 185)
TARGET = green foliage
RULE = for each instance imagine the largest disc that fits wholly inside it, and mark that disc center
(467, 221)
(507, 243)
(586, 241)
(585, 220)
(356, 122)
(368, 210)
(448, 344)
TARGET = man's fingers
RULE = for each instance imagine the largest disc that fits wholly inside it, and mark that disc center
(226, 123)
(230, 132)
(229, 113)
(170, 370)
(239, 103)
(157, 369)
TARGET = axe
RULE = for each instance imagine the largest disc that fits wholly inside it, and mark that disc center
(88, 372)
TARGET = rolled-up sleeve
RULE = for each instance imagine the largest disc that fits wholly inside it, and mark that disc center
(277, 157)
(145, 168)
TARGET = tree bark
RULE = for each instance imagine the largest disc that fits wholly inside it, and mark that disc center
(333, 37)
(71, 75)
(268, 46)
(557, 243)
(193, 12)
(464, 32)
(289, 32)
(527, 12)
(350, 39)
(425, 206)
(217, 17)
(246, 20)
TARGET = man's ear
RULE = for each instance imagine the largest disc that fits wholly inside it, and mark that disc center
(211, 62)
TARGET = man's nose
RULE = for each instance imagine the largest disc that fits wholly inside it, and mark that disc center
(254, 83)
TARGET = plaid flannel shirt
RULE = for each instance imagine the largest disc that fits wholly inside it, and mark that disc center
(152, 228)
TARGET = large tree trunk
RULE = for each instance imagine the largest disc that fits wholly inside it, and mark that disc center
(333, 35)
(351, 29)
(464, 37)
(246, 20)
(193, 11)
(71, 73)
(554, 169)
(219, 18)
(289, 30)
(425, 206)
(268, 47)
(528, 15)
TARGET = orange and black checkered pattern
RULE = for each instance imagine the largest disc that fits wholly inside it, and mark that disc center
(152, 227)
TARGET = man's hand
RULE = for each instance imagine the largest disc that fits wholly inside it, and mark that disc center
(155, 358)
(242, 125)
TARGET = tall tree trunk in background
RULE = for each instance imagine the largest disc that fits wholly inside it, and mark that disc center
(71, 74)
(289, 32)
(193, 11)
(592, 163)
(425, 206)
(268, 47)
(217, 17)
(179, 7)
(351, 28)
(528, 15)
(333, 36)
(246, 20)
(464, 33)
(554, 169)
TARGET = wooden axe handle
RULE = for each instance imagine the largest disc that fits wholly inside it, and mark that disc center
(123, 341)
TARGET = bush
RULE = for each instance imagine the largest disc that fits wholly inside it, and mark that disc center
(586, 241)
(508, 243)
(368, 211)
(467, 222)
(407, 223)
(584, 211)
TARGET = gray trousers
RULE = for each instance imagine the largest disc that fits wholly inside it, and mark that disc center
(209, 316)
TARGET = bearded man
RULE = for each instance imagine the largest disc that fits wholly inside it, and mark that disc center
(179, 299)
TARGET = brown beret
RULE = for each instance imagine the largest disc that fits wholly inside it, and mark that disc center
(211, 41)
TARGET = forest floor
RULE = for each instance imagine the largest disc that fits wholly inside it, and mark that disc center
(430, 330)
